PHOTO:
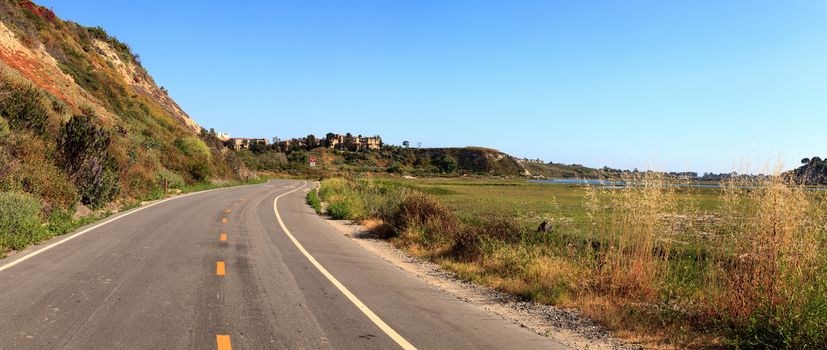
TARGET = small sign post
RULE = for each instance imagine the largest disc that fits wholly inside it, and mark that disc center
(312, 162)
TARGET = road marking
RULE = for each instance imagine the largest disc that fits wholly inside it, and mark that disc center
(223, 342)
(223, 220)
(219, 268)
(353, 299)
(116, 218)
(228, 211)
(223, 237)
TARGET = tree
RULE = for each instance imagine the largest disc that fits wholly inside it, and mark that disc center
(406, 144)
(816, 160)
(298, 158)
(311, 141)
(805, 161)
(350, 142)
(446, 163)
(258, 148)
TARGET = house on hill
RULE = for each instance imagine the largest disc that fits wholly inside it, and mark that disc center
(240, 143)
(352, 143)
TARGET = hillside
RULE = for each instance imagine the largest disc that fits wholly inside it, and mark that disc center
(813, 171)
(84, 125)
(558, 171)
(392, 159)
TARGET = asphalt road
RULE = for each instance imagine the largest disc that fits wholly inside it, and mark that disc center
(152, 278)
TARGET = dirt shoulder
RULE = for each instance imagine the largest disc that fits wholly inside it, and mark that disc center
(567, 327)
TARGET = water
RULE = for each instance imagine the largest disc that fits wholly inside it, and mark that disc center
(624, 184)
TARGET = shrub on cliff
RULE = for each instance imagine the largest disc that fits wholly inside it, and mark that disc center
(23, 107)
(198, 157)
(84, 149)
(19, 223)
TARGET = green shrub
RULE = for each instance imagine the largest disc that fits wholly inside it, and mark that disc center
(4, 130)
(85, 155)
(173, 179)
(199, 157)
(313, 201)
(23, 107)
(35, 172)
(347, 208)
(98, 33)
(19, 221)
(298, 159)
(798, 325)
(193, 147)
(446, 163)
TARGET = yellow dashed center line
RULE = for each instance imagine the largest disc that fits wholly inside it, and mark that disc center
(223, 342)
(219, 268)
(223, 237)
(223, 220)
(228, 211)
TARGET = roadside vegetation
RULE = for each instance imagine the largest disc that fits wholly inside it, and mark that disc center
(742, 266)
(70, 157)
(313, 200)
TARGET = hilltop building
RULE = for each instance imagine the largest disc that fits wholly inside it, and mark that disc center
(293, 143)
(349, 142)
(238, 144)
(533, 161)
(346, 142)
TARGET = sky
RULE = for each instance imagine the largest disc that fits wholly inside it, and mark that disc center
(667, 85)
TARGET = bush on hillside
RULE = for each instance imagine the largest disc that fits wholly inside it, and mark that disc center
(23, 107)
(446, 163)
(5, 132)
(85, 155)
(297, 158)
(199, 157)
(173, 179)
(19, 220)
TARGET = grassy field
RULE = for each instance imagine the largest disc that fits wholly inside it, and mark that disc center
(662, 265)
(527, 201)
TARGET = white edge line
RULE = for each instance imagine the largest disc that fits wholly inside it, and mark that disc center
(353, 299)
(110, 220)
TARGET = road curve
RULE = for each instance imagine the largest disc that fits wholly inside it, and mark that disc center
(224, 270)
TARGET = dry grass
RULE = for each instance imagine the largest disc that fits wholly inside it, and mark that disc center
(755, 278)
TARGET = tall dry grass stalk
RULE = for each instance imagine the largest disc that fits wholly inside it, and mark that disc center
(761, 263)
(632, 235)
(773, 230)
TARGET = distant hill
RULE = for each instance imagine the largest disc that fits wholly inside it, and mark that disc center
(420, 161)
(455, 161)
(82, 120)
(562, 171)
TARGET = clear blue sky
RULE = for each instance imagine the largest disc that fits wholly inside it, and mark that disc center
(672, 85)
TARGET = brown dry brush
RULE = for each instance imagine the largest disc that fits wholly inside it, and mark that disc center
(631, 236)
(757, 275)
(773, 267)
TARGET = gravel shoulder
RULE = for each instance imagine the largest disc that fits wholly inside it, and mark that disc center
(565, 326)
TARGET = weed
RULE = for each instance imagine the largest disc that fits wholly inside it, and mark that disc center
(313, 201)
(19, 221)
